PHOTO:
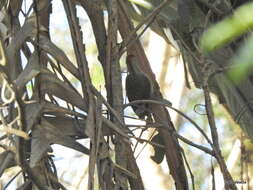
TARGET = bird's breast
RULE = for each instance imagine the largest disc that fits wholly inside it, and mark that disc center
(137, 87)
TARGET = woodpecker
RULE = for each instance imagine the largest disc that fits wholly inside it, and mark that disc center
(138, 87)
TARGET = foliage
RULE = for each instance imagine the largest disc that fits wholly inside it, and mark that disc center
(228, 30)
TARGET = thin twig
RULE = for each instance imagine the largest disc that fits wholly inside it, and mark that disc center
(200, 147)
(213, 176)
(176, 110)
(149, 141)
(141, 133)
(228, 180)
(135, 37)
(189, 168)
(12, 179)
(112, 110)
(146, 20)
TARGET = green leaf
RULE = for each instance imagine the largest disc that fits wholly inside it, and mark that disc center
(142, 3)
(242, 65)
(225, 31)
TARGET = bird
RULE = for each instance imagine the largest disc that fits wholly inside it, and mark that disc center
(138, 87)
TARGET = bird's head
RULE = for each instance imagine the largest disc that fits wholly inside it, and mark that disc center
(132, 64)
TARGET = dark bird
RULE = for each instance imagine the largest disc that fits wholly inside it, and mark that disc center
(138, 87)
